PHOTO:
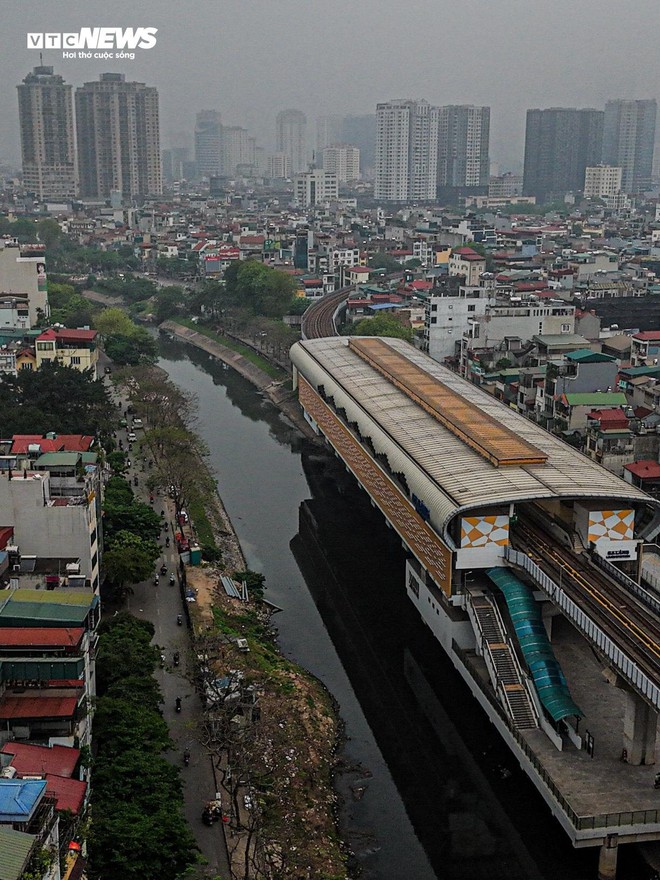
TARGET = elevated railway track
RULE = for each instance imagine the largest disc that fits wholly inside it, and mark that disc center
(624, 617)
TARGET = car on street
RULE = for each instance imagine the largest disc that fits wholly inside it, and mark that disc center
(132, 437)
(137, 423)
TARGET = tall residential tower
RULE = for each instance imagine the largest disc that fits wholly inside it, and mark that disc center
(559, 145)
(406, 150)
(463, 140)
(45, 109)
(118, 138)
(628, 141)
(291, 138)
(208, 143)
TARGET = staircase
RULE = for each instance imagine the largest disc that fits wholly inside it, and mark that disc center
(503, 667)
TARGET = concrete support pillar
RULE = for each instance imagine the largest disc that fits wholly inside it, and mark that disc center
(607, 858)
(640, 727)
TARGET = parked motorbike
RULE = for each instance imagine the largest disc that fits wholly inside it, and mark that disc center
(177, 704)
(176, 658)
(172, 579)
(179, 619)
(186, 757)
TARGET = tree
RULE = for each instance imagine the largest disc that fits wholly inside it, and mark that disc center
(124, 650)
(49, 232)
(384, 261)
(138, 348)
(169, 302)
(114, 322)
(259, 288)
(116, 461)
(129, 560)
(382, 325)
(137, 518)
(55, 398)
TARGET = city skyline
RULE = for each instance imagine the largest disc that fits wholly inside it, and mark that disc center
(518, 58)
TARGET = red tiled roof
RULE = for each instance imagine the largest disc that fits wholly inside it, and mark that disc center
(66, 334)
(650, 335)
(645, 468)
(29, 759)
(466, 253)
(70, 793)
(42, 636)
(37, 707)
(421, 285)
(62, 443)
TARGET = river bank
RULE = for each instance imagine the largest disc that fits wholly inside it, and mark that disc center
(276, 388)
(271, 728)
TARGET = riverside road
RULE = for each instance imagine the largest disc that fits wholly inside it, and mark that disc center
(161, 605)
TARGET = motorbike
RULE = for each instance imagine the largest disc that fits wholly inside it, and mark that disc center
(179, 619)
(172, 579)
(176, 658)
(163, 569)
(177, 704)
(156, 581)
(162, 513)
(186, 757)
(135, 481)
(167, 541)
(211, 812)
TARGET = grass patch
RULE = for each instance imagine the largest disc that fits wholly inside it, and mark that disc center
(197, 513)
(245, 350)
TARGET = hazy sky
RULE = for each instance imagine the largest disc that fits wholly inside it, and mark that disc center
(252, 58)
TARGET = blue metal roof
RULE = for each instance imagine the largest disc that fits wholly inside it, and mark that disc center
(546, 672)
(19, 798)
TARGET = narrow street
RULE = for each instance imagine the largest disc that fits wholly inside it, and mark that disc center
(161, 605)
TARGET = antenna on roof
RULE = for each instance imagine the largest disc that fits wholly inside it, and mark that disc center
(41, 59)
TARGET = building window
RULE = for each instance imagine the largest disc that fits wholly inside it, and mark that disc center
(472, 308)
(45, 346)
(75, 361)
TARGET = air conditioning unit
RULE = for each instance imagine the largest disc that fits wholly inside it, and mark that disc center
(16, 567)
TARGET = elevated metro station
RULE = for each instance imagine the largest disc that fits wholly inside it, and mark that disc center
(525, 559)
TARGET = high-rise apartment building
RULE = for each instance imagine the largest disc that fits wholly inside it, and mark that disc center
(463, 140)
(329, 130)
(279, 167)
(342, 160)
(118, 138)
(406, 150)
(208, 143)
(628, 141)
(45, 110)
(560, 143)
(291, 138)
(601, 181)
(238, 148)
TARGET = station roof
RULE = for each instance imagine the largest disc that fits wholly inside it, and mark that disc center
(441, 467)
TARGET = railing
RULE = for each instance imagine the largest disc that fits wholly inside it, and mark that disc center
(627, 582)
(624, 665)
(580, 823)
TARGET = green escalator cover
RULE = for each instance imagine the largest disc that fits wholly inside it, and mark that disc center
(545, 670)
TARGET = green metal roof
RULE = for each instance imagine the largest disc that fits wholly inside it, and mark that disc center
(533, 639)
(15, 849)
(42, 614)
(52, 459)
(587, 356)
(597, 398)
(54, 597)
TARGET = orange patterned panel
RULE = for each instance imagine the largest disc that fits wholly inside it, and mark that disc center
(429, 549)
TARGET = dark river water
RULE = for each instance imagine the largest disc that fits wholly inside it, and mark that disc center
(428, 788)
